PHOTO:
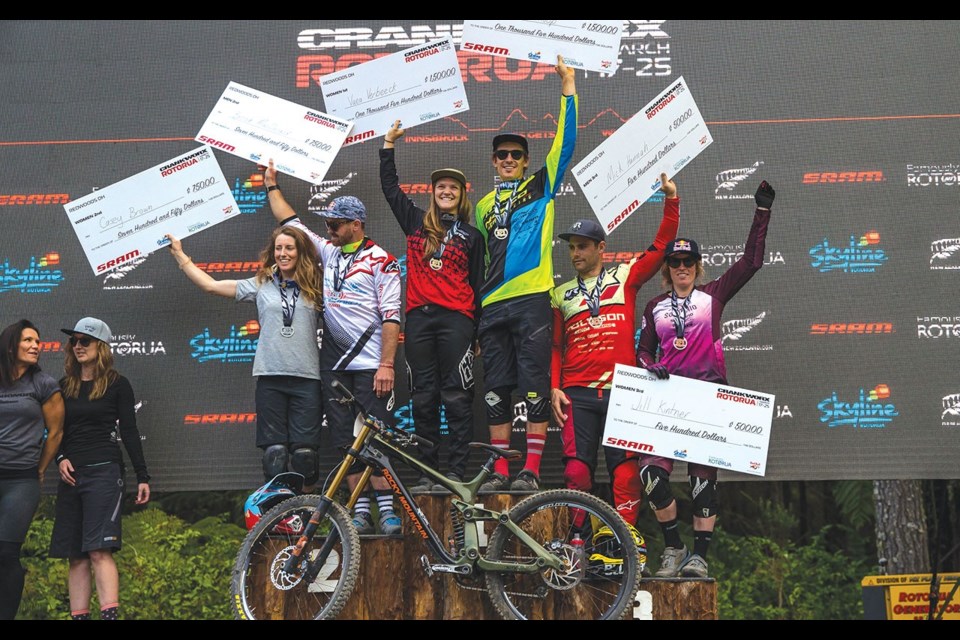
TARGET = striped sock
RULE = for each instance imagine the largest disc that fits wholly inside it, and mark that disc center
(363, 505)
(501, 466)
(535, 443)
(384, 501)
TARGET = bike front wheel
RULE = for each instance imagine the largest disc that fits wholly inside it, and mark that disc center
(600, 575)
(262, 590)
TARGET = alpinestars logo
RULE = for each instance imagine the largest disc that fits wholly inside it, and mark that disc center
(113, 280)
(730, 179)
(943, 254)
(37, 277)
(321, 192)
(868, 411)
(239, 345)
(859, 256)
(249, 193)
(951, 410)
(735, 330)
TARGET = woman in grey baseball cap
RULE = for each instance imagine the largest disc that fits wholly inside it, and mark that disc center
(100, 412)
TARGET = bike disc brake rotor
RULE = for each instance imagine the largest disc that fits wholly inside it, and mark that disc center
(572, 571)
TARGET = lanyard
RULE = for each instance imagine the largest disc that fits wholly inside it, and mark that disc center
(289, 308)
(339, 277)
(592, 297)
(452, 231)
(500, 209)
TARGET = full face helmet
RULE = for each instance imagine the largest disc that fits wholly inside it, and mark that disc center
(282, 486)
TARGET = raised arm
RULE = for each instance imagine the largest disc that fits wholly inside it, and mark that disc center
(279, 206)
(199, 277)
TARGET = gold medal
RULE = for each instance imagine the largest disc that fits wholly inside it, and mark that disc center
(679, 344)
(436, 264)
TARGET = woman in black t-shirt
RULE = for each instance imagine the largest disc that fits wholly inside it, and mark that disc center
(100, 412)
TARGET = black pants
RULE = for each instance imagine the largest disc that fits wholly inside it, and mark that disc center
(438, 344)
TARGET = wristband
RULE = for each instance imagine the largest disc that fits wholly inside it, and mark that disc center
(273, 187)
(388, 365)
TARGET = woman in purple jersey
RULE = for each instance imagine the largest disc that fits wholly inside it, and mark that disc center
(683, 326)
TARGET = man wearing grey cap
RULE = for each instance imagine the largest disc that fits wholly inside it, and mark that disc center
(516, 220)
(361, 317)
(593, 330)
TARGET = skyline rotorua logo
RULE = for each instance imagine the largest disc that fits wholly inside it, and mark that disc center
(945, 254)
(39, 276)
(936, 327)
(113, 280)
(861, 255)
(951, 410)
(868, 411)
(730, 179)
(735, 330)
(403, 417)
(238, 346)
(249, 193)
(321, 192)
(127, 344)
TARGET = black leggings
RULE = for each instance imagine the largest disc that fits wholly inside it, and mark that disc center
(11, 579)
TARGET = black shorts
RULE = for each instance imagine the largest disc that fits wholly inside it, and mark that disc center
(288, 411)
(515, 341)
(88, 513)
(341, 415)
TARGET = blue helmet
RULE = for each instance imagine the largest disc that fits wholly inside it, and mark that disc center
(282, 486)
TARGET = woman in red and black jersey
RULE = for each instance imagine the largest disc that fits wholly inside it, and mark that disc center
(445, 263)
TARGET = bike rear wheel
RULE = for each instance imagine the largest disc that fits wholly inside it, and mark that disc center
(263, 591)
(594, 584)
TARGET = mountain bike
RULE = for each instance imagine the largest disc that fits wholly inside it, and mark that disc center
(302, 558)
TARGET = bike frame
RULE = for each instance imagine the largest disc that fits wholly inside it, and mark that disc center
(375, 447)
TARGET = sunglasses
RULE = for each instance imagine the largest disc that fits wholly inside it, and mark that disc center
(335, 224)
(84, 342)
(675, 262)
(502, 154)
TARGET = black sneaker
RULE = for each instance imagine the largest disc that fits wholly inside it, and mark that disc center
(495, 484)
(526, 481)
(439, 487)
(423, 485)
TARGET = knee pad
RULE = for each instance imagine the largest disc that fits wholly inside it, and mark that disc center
(538, 408)
(577, 475)
(306, 461)
(499, 410)
(656, 485)
(704, 494)
(274, 460)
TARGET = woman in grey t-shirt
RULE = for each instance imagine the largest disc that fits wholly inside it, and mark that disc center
(288, 291)
(31, 426)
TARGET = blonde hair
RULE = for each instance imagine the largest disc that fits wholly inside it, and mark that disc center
(308, 274)
(103, 376)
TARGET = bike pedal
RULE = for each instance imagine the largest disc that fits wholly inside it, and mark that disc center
(425, 563)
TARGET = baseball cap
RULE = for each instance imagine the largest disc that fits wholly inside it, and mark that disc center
(92, 327)
(586, 228)
(511, 137)
(449, 173)
(683, 245)
(346, 208)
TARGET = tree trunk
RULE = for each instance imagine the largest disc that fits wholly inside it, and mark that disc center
(902, 546)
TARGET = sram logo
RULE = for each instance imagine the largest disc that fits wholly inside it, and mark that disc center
(358, 137)
(485, 48)
(219, 418)
(116, 262)
(216, 143)
(831, 177)
(623, 215)
(847, 328)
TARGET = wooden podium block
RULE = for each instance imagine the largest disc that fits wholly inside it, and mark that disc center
(392, 583)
